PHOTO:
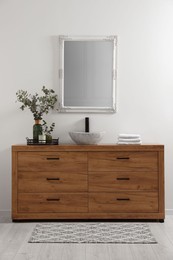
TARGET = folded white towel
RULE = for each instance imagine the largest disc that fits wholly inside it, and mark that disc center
(139, 142)
(129, 139)
(128, 136)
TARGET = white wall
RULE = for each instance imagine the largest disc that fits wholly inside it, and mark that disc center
(29, 60)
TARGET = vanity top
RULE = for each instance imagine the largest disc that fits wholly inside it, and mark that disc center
(98, 147)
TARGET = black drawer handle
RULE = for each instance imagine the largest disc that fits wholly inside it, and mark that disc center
(123, 199)
(53, 199)
(53, 179)
(52, 158)
(123, 158)
(123, 179)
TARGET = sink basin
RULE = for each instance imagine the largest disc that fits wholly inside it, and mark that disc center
(86, 138)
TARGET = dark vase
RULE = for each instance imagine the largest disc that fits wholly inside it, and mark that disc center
(37, 130)
(48, 139)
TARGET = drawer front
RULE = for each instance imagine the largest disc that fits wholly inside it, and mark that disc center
(52, 182)
(52, 161)
(112, 181)
(126, 202)
(52, 202)
(123, 161)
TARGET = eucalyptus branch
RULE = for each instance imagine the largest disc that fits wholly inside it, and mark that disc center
(38, 105)
(47, 129)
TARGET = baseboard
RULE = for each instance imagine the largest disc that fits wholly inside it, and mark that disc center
(169, 211)
(5, 215)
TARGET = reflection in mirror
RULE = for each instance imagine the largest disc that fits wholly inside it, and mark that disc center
(88, 74)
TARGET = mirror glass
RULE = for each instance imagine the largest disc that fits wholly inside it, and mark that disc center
(87, 74)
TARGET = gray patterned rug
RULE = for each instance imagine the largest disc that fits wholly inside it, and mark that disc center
(94, 232)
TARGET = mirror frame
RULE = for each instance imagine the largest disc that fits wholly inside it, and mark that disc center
(87, 109)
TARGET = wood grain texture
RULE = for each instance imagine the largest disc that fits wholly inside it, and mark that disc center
(88, 182)
(14, 182)
(161, 182)
(52, 161)
(122, 161)
(52, 182)
(113, 181)
(52, 202)
(87, 216)
(14, 246)
(87, 148)
(123, 202)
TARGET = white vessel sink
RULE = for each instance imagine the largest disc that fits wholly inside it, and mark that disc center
(86, 138)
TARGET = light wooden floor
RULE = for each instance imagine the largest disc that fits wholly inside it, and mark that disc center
(14, 245)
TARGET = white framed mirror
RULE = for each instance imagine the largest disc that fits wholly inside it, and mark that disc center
(88, 74)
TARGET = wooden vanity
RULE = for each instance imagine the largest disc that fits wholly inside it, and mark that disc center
(87, 182)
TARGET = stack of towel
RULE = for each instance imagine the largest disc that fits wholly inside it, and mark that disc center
(129, 139)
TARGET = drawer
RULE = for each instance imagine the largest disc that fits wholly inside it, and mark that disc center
(127, 202)
(52, 161)
(52, 202)
(113, 181)
(122, 161)
(52, 182)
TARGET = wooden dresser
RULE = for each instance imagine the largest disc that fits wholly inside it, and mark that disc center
(88, 182)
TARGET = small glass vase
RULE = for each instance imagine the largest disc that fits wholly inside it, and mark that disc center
(37, 130)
